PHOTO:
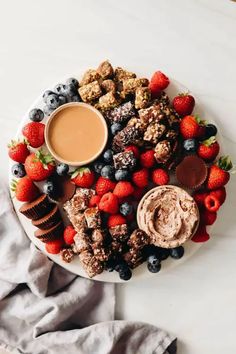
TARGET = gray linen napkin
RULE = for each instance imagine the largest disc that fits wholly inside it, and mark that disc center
(45, 309)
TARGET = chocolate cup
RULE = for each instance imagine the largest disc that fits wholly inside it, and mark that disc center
(51, 234)
(36, 209)
(49, 220)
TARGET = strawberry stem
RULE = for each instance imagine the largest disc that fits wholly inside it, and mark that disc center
(225, 163)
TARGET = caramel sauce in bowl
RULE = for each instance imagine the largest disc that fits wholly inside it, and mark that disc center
(76, 133)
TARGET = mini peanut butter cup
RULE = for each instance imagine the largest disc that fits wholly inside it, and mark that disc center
(49, 220)
(36, 209)
(51, 234)
(191, 172)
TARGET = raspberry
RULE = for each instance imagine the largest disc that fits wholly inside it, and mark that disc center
(212, 203)
(54, 247)
(134, 149)
(109, 203)
(160, 177)
(220, 194)
(147, 159)
(115, 220)
(201, 234)
(199, 198)
(123, 189)
(140, 178)
(208, 217)
(104, 185)
(69, 234)
(94, 201)
(159, 81)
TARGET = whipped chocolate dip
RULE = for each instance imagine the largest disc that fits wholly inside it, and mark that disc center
(169, 215)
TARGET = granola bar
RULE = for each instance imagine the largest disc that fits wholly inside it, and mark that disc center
(154, 132)
(121, 74)
(133, 258)
(124, 160)
(90, 76)
(93, 218)
(116, 246)
(130, 85)
(142, 97)
(67, 255)
(108, 86)
(91, 264)
(151, 114)
(81, 242)
(98, 236)
(108, 101)
(138, 239)
(80, 200)
(121, 114)
(119, 232)
(100, 252)
(90, 92)
(105, 70)
(126, 136)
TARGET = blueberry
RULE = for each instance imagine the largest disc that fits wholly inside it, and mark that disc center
(36, 115)
(49, 188)
(153, 260)
(110, 265)
(18, 170)
(177, 252)
(164, 253)
(108, 155)
(60, 89)
(98, 167)
(75, 98)
(70, 91)
(46, 94)
(125, 274)
(53, 101)
(122, 175)
(154, 268)
(62, 169)
(108, 171)
(62, 99)
(190, 145)
(115, 128)
(72, 81)
(126, 209)
(211, 130)
(47, 110)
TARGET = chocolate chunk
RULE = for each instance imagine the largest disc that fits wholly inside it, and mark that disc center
(81, 241)
(125, 160)
(91, 265)
(93, 218)
(138, 239)
(133, 258)
(154, 132)
(163, 151)
(67, 255)
(100, 252)
(98, 236)
(121, 113)
(119, 232)
(125, 137)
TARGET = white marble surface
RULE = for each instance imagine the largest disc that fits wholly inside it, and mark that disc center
(191, 40)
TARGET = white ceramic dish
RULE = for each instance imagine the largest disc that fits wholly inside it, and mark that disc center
(140, 272)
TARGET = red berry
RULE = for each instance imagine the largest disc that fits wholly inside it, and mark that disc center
(54, 247)
(140, 178)
(18, 151)
(183, 104)
(34, 133)
(109, 203)
(104, 185)
(123, 189)
(208, 217)
(159, 81)
(39, 166)
(160, 177)
(201, 131)
(199, 198)
(94, 200)
(138, 193)
(212, 203)
(201, 234)
(83, 177)
(69, 234)
(220, 194)
(218, 175)
(134, 149)
(25, 189)
(115, 220)
(189, 127)
(147, 159)
(208, 149)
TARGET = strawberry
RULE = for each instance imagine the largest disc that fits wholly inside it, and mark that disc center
(140, 178)
(123, 189)
(94, 200)
(147, 159)
(190, 127)
(207, 217)
(208, 149)
(69, 234)
(201, 234)
(18, 151)
(138, 193)
(160, 177)
(220, 194)
(104, 185)
(54, 247)
(212, 203)
(39, 165)
(183, 104)
(218, 175)
(134, 149)
(34, 133)
(109, 203)
(115, 220)
(199, 198)
(25, 190)
(83, 177)
(158, 82)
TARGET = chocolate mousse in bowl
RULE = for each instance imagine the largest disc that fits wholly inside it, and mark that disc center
(76, 133)
(169, 215)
